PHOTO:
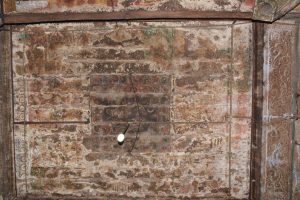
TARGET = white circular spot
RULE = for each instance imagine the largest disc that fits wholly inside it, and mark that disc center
(121, 137)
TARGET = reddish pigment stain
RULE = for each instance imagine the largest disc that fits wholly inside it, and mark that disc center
(250, 3)
(112, 3)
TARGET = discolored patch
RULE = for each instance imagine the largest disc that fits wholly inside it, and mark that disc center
(171, 6)
(250, 2)
(222, 3)
(112, 3)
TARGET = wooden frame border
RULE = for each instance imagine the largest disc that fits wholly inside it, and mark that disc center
(7, 176)
(257, 103)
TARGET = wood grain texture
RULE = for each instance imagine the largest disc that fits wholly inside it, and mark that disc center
(125, 15)
(257, 94)
(6, 149)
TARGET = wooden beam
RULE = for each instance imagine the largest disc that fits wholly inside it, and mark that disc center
(1, 13)
(264, 10)
(27, 18)
(257, 107)
(6, 122)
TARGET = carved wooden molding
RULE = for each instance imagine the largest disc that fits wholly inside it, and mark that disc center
(261, 10)
(271, 10)
(278, 107)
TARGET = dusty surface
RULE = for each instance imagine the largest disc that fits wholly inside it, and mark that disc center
(193, 84)
(39, 6)
(279, 107)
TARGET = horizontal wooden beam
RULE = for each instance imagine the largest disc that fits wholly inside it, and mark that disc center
(262, 10)
(27, 18)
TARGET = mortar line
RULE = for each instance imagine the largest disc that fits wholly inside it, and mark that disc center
(13, 111)
(172, 84)
(25, 134)
(70, 197)
(52, 122)
(230, 107)
(90, 124)
(172, 92)
(64, 77)
(132, 61)
(162, 123)
(24, 117)
(266, 89)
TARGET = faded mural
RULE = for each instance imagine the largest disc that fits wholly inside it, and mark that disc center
(184, 88)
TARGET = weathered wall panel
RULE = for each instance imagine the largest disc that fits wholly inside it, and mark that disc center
(193, 84)
(241, 101)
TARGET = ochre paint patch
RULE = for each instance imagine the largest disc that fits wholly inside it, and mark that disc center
(73, 3)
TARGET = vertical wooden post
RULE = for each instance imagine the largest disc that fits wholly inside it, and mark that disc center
(6, 114)
(258, 62)
(1, 13)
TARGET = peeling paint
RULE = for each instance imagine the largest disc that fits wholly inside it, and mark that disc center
(42, 6)
(277, 106)
(274, 159)
(181, 73)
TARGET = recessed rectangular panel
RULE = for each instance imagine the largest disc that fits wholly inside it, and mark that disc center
(173, 84)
